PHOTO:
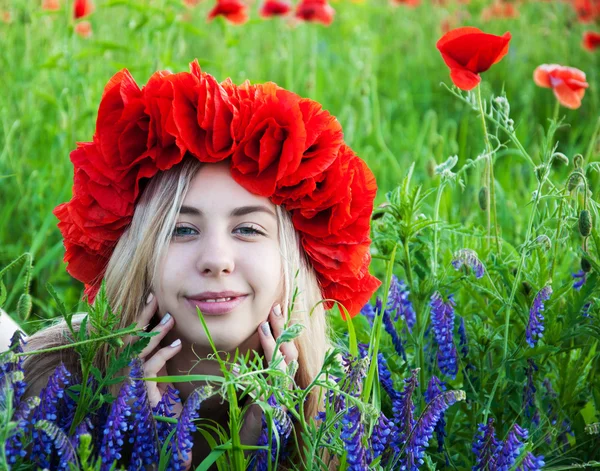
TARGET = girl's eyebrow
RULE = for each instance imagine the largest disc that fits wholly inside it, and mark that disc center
(241, 211)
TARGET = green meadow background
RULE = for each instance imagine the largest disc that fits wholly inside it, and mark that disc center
(376, 68)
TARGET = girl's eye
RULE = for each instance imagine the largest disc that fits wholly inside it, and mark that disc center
(251, 231)
(182, 231)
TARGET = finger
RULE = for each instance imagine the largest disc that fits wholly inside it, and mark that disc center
(267, 341)
(277, 321)
(289, 351)
(166, 324)
(154, 365)
(144, 318)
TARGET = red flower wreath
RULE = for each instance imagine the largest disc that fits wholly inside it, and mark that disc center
(280, 145)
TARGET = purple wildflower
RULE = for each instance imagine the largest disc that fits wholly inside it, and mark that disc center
(369, 312)
(165, 409)
(485, 447)
(562, 438)
(352, 435)
(50, 398)
(404, 408)
(281, 429)
(14, 446)
(511, 448)
(531, 463)
(61, 442)
(381, 438)
(463, 343)
(399, 303)
(535, 327)
(585, 310)
(145, 450)
(390, 329)
(579, 279)
(529, 391)
(468, 257)
(17, 343)
(425, 426)
(434, 389)
(182, 445)
(115, 428)
(442, 320)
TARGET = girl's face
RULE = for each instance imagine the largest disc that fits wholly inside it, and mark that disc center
(225, 239)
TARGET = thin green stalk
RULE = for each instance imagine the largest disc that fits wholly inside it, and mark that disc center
(491, 195)
(558, 229)
(592, 143)
(377, 326)
(513, 292)
(436, 212)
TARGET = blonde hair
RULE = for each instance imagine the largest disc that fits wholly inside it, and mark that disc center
(134, 264)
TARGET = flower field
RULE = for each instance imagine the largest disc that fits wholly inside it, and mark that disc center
(481, 349)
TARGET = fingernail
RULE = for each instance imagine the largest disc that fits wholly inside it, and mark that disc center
(277, 310)
(165, 319)
(265, 328)
(235, 369)
(176, 343)
(149, 298)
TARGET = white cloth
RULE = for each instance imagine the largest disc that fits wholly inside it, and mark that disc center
(7, 328)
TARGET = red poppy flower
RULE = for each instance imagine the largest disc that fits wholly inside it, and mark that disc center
(499, 9)
(192, 3)
(83, 29)
(234, 11)
(469, 51)
(587, 10)
(568, 83)
(50, 5)
(274, 8)
(82, 8)
(318, 11)
(591, 40)
(408, 3)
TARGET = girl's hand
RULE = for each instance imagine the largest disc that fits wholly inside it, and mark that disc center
(268, 333)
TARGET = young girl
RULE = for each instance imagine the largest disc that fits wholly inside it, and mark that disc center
(195, 194)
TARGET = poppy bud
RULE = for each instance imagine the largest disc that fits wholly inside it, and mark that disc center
(431, 168)
(574, 181)
(585, 223)
(586, 266)
(562, 157)
(24, 306)
(483, 195)
(578, 160)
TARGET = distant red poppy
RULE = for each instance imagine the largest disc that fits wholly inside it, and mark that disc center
(84, 29)
(587, 10)
(274, 8)
(51, 5)
(234, 11)
(568, 83)
(318, 11)
(6, 17)
(82, 8)
(591, 40)
(408, 3)
(192, 3)
(468, 51)
(499, 9)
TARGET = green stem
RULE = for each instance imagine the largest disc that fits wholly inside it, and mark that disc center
(590, 148)
(491, 195)
(512, 296)
(234, 413)
(558, 229)
(436, 212)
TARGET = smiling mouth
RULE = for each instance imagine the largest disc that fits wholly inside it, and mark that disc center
(216, 306)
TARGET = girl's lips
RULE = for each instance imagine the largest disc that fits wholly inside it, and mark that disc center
(218, 308)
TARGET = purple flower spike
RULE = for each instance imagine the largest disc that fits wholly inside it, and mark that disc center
(531, 463)
(369, 312)
(579, 279)
(165, 408)
(115, 428)
(404, 409)
(281, 430)
(423, 431)
(535, 327)
(511, 448)
(399, 303)
(390, 329)
(14, 446)
(182, 446)
(352, 434)
(485, 447)
(469, 258)
(442, 320)
(381, 437)
(64, 448)
(145, 450)
(434, 389)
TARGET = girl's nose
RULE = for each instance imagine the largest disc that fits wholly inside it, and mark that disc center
(216, 256)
